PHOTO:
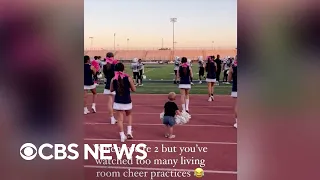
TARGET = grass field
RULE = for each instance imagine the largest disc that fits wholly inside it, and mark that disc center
(160, 81)
(161, 71)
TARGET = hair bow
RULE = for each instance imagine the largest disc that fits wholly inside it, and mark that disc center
(118, 74)
(111, 60)
(184, 65)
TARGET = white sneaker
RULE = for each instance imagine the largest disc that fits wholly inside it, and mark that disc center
(200, 82)
(123, 138)
(113, 120)
(210, 99)
(191, 83)
(129, 136)
(140, 84)
(86, 111)
(93, 109)
(235, 125)
(227, 83)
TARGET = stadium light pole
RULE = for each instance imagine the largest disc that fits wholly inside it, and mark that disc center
(212, 44)
(114, 41)
(91, 43)
(127, 43)
(173, 20)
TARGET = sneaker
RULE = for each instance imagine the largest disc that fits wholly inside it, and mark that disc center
(166, 135)
(210, 99)
(140, 84)
(191, 83)
(123, 138)
(86, 111)
(113, 120)
(235, 125)
(227, 83)
(171, 136)
(200, 82)
(129, 136)
(93, 109)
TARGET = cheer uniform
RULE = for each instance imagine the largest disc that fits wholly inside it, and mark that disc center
(108, 74)
(123, 101)
(185, 82)
(211, 72)
(88, 79)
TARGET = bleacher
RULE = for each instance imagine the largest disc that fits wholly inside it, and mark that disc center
(160, 55)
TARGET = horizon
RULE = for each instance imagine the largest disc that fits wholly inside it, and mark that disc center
(147, 24)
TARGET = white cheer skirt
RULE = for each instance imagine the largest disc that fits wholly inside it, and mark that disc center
(108, 92)
(122, 107)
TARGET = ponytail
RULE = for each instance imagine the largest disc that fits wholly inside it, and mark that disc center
(120, 86)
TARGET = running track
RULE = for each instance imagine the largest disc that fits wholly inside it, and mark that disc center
(211, 126)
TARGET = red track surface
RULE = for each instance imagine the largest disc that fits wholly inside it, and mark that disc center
(211, 126)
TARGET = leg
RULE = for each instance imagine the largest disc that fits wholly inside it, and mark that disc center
(94, 94)
(129, 127)
(209, 91)
(236, 114)
(187, 99)
(119, 116)
(212, 91)
(86, 111)
(110, 109)
(183, 103)
(218, 76)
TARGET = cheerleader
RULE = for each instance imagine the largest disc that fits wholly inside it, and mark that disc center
(135, 70)
(95, 64)
(184, 74)
(232, 75)
(122, 84)
(211, 68)
(108, 71)
(190, 65)
(201, 69)
(141, 71)
(175, 69)
(89, 71)
(170, 111)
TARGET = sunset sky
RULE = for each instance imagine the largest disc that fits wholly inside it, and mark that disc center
(146, 22)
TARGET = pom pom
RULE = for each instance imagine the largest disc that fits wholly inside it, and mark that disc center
(161, 116)
(183, 118)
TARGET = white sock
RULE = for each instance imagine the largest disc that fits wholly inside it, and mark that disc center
(129, 129)
(86, 109)
(187, 104)
(183, 107)
(93, 104)
(236, 120)
(122, 134)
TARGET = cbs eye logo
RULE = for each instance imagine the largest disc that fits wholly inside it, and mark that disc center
(28, 151)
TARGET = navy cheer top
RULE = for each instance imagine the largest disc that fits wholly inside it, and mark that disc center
(108, 74)
(88, 80)
(125, 98)
(184, 77)
(211, 70)
(234, 79)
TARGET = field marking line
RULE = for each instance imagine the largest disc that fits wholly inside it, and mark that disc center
(157, 169)
(162, 105)
(134, 113)
(143, 124)
(163, 141)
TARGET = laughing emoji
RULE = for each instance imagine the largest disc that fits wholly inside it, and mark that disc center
(198, 173)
